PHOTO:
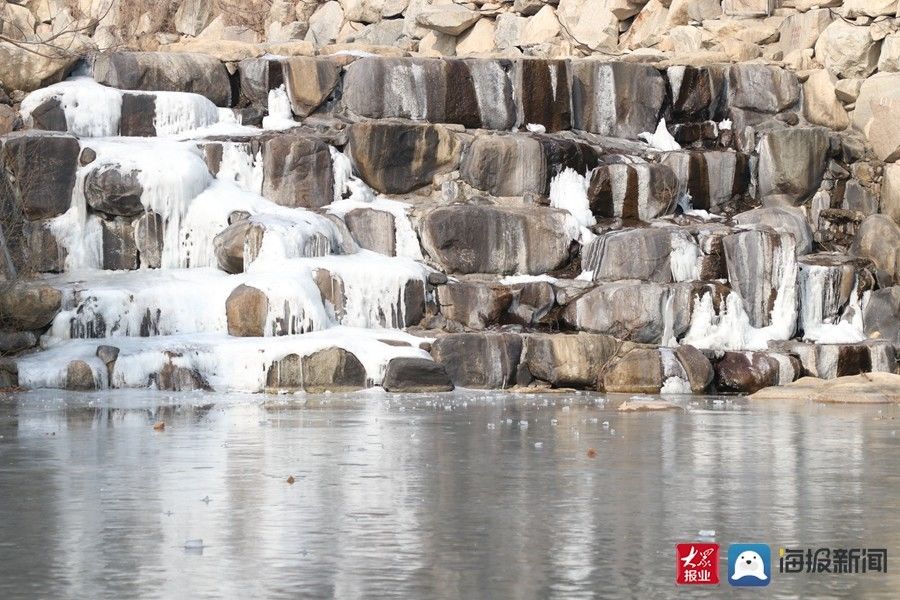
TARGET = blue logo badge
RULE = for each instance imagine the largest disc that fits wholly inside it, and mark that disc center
(749, 565)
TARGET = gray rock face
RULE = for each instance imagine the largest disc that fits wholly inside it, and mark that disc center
(332, 369)
(119, 250)
(12, 342)
(148, 237)
(373, 230)
(42, 251)
(616, 99)
(755, 262)
(630, 254)
(718, 182)
(476, 305)
(112, 191)
(407, 374)
(881, 315)
(826, 283)
(633, 191)
(761, 88)
(396, 158)
(637, 311)
(791, 165)
(165, 71)
(257, 76)
(474, 93)
(479, 360)
(245, 311)
(787, 220)
(879, 240)
(41, 169)
(568, 360)
(26, 306)
(531, 302)
(297, 171)
(309, 82)
(521, 165)
(138, 115)
(173, 378)
(494, 239)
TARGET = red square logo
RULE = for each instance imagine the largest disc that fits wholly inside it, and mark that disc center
(696, 564)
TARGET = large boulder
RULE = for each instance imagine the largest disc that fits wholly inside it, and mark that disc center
(331, 369)
(799, 31)
(80, 377)
(878, 240)
(246, 310)
(830, 360)
(717, 181)
(645, 370)
(638, 191)
(616, 99)
(696, 92)
(165, 71)
(881, 314)
(479, 360)
(27, 306)
(309, 82)
(748, 372)
(297, 171)
(848, 50)
(820, 103)
(474, 93)
(475, 304)
(758, 261)
(41, 167)
(395, 158)
(410, 374)
(373, 230)
(761, 88)
(637, 311)
(522, 164)
(113, 191)
(21, 68)
(791, 165)
(641, 254)
(590, 24)
(783, 219)
(497, 239)
(568, 360)
(238, 244)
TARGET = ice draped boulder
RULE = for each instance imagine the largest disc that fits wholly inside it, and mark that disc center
(476, 238)
(165, 71)
(395, 158)
(616, 99)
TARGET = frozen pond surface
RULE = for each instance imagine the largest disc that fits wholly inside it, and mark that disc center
(464, 495)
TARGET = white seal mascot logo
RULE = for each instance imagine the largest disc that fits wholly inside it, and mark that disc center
(749, 563)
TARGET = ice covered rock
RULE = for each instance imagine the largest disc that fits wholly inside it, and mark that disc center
(409, 374)
(114, 191)
(479, 360)
(396, 158)
(497, 239)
